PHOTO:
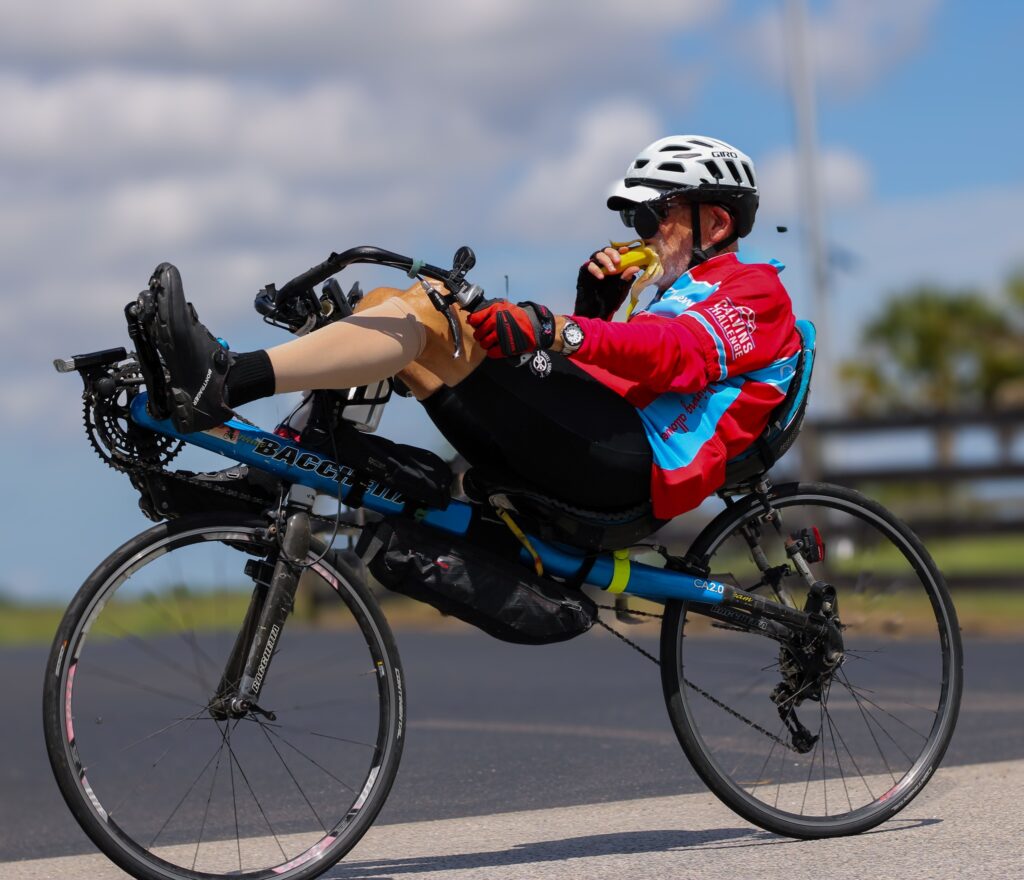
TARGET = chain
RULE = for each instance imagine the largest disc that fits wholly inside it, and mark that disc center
(194, 481)
(686, 681)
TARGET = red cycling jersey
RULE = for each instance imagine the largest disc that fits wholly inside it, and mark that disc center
(704, 363)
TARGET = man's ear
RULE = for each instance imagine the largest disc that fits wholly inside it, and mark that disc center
(717, 222)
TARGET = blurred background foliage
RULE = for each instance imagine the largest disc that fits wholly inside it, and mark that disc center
(933, 349)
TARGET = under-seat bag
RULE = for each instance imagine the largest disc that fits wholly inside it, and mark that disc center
(496, 595)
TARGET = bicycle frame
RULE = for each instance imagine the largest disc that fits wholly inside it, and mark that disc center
(292, 463)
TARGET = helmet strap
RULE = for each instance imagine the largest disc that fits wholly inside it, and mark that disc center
(699, 254)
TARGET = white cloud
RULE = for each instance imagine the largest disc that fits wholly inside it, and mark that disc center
(243, 141)
(843, 176)
(853, 43)
(562, 196)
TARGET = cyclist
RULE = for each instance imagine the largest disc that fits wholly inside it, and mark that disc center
(603, 415)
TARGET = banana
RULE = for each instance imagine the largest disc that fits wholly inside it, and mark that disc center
(638, 255)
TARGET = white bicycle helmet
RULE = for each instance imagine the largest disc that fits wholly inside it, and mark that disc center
(695, 169)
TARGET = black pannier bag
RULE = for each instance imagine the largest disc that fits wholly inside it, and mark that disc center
(497, 595)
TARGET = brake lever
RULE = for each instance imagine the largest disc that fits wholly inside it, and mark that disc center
(444, 305)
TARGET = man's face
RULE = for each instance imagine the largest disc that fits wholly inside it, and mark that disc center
(673, 243)
(674, 239)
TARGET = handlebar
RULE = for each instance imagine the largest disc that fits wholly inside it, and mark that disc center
(297, 306)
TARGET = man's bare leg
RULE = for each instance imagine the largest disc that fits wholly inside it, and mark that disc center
(393, 332)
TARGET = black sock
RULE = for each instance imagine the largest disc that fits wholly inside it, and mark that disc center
(250, 377)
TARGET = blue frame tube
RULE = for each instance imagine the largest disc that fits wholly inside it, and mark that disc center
(621, 575)
(257, 448)
(247, 444)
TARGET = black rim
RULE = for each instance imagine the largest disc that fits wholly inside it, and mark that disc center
(121, 776)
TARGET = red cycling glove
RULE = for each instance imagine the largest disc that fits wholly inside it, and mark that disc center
(508, 330)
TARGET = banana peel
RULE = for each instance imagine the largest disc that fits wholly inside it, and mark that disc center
(638, 254)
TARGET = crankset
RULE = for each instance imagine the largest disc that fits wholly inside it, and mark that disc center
(106, 402)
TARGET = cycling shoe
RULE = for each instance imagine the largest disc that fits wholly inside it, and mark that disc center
(197, 364)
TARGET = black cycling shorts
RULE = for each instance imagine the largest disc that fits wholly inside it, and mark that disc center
(543, 422)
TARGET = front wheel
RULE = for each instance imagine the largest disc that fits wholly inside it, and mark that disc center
(875, 726)
(169, 788)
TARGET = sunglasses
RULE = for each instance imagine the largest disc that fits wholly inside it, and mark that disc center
(646, 217)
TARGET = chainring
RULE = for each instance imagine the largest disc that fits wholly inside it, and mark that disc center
(117, 440)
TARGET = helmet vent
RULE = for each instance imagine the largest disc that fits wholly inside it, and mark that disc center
(672, 166)
(639, 163)
(750, 173)
(712, 166)
(701, 144)
(673, 148)
(734, 171)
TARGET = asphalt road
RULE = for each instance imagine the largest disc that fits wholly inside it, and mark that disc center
(495, 728)
(966, 824)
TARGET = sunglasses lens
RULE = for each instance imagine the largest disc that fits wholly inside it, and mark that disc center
(628, 215)
(646, 221)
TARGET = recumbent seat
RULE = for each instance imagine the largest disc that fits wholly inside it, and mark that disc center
(595, 531)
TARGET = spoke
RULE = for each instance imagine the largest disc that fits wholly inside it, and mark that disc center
(883, 728)
(206, 810)
(853, 761)
(259, 806)
(810, 771)
(863, 691)
(867, 723)
(147, 648)
(288, 770)
(277, 725)
(124, 798)
(234, 800)
(824, 750)
(195, 716)
(782, 772)
(186, 631)
(764, 766)
(312, 761)
(184, 797)
(734, 713)
(835, 747)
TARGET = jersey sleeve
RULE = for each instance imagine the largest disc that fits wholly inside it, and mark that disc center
(743, 326)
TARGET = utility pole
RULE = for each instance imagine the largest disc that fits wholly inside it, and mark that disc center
(801, 83)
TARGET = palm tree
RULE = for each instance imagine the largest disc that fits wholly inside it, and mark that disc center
(933, 350)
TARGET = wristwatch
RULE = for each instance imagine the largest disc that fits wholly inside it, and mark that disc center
(572, 336)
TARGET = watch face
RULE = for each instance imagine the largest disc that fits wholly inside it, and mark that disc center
(573, 334)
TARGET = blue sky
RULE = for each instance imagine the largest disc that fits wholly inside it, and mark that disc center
(244, 141)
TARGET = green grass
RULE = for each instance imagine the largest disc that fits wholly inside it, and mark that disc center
(23, 624)
(997, 613)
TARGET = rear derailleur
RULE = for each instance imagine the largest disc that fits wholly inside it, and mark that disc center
(808, 663)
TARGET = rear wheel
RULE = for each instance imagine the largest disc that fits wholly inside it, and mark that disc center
(167, 788)
(877, 724)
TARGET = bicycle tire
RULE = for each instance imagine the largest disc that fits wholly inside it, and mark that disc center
(707, 751)
(382, 677)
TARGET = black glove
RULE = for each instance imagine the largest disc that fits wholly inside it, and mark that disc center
(599, 298)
